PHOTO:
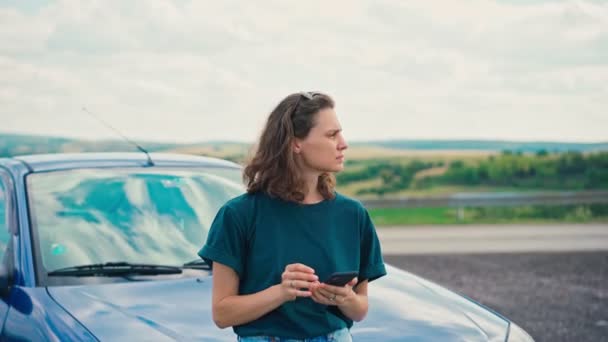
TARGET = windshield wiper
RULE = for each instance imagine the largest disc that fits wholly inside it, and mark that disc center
(110, 269)
(198, 264)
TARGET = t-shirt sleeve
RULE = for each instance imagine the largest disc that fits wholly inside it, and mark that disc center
(372, 265)
(226, 241)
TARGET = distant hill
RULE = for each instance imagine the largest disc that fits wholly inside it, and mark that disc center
(18, 144)
(487, 145)
(13, 144)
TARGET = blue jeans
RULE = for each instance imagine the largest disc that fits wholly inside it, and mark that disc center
(342, 335)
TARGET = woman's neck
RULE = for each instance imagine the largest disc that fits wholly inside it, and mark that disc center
(313, 198)
(312, 194)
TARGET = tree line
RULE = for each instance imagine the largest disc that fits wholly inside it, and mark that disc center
(541, 170)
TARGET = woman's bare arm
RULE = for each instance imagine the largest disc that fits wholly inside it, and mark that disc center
(229, 308)
(356, 309)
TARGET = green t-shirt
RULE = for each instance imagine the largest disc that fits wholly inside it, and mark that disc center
(258, 235)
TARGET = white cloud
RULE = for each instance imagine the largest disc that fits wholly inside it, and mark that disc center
(193, 70)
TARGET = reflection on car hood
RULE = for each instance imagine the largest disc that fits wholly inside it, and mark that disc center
(159, 310)
(402, 307)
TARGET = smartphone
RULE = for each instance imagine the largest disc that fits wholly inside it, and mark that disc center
(341, 278)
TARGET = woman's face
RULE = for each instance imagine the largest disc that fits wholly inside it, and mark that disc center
(323, 149)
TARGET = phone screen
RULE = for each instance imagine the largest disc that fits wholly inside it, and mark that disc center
(341, 278)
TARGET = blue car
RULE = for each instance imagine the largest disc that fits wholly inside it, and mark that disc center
(103, 247)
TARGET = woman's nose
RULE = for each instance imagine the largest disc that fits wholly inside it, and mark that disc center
(342, 145)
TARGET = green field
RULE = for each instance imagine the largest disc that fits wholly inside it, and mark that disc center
(523, 214)
(407, 216)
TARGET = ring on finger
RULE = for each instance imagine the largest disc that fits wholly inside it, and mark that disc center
(332, 298)
(291, 283)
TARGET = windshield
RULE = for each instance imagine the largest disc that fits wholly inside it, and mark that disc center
(144, 215)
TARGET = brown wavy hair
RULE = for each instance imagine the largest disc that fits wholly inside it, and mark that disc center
(273, 168)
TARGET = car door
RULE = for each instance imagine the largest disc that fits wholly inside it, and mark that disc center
(4, 233)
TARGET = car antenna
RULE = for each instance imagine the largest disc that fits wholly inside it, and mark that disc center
(150, 162)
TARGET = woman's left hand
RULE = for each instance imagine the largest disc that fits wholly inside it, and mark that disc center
(334, 295)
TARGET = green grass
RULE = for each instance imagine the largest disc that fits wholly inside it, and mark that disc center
(398, 216)
(492, 215)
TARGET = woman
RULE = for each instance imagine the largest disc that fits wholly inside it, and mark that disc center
(273, 247)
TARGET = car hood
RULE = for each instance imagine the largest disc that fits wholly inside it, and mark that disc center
(157, 310)
(405, 307)
(402, 307)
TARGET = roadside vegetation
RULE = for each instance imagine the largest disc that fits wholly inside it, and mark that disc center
(507, 171)
(489, 215)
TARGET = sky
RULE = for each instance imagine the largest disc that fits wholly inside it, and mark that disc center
(193, 71)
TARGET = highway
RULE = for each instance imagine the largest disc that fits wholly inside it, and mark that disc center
(493, 238)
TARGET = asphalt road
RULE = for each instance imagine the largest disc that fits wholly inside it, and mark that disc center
(554, 296)
(494, 238)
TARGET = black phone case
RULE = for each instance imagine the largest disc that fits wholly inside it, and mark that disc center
(340, 278)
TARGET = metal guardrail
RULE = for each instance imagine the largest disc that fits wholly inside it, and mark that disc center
(495, 199)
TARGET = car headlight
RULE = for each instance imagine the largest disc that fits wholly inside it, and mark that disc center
(517, 334)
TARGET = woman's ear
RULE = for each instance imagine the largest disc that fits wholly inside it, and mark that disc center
(296, 146)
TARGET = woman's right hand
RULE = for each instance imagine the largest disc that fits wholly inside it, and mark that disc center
(297, 280)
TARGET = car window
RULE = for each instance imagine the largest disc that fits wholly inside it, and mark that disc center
(140, 216)
(4, 235)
